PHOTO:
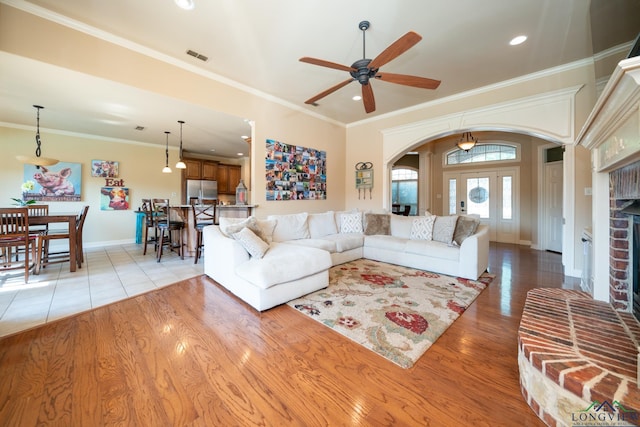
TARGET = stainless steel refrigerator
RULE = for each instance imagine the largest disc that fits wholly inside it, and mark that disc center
(202, 190)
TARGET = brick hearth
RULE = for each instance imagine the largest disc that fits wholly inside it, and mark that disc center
(573, 350)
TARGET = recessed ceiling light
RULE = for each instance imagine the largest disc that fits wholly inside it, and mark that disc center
(357, 98)
(244, 137)
(213, 149)
(240, 154)
(517, 40)
(185, 4)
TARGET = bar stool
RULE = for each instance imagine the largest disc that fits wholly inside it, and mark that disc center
(203, 215)
(167, 228)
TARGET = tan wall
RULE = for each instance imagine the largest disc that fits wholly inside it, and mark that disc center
(27, 35)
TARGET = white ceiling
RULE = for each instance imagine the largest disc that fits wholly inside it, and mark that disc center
(258, 43)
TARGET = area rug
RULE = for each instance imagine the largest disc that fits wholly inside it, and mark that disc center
(397, 312)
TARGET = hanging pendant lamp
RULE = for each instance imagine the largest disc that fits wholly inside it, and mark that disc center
(180, 164)
(37, 160)
(166, 168)
(467, 141)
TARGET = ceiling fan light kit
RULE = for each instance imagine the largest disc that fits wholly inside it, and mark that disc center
(363, 70)
(37, 160)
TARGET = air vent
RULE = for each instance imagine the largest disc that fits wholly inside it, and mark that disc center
(197, 55)
(139, 127)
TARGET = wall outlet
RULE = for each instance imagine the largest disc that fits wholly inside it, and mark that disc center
(587, 191)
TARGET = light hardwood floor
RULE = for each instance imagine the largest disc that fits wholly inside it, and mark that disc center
(191, 354)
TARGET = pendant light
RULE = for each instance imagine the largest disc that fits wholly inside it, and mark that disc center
(180, 164)
(467, 141)
(37, 160)
(166, 168)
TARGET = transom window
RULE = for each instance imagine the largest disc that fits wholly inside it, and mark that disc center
(482, 153)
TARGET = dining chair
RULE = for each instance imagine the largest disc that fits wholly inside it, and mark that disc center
(47, 257)
(35, 210)
(14, 234)
(150, 227)
(203, 215)
(406, 210)
(167, 228)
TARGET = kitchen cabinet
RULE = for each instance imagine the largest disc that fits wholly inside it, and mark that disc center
(201, 169)
(228, 178)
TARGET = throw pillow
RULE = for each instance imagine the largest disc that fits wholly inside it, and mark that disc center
(290, 227)
(377, 224)
(465, 227)
(230, 226)
(322, 224)
(266, 227)
(443, 228)
(422, 228)
(351, 223)
(251, 242)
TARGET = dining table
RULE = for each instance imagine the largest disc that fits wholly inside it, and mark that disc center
(61, 217)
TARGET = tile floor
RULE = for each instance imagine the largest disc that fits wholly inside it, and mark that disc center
(109, 274)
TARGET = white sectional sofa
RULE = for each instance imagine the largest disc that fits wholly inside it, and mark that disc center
(267, 262)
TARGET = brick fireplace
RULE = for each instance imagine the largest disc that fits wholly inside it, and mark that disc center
(623, 228)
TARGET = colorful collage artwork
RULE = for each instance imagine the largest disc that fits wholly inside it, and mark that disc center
(294, 172)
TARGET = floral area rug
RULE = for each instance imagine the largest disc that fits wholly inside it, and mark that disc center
(398, 312)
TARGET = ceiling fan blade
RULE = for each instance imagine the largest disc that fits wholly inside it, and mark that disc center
(396, 49)
(328, 91)
(403, 79)
(368, 99)
(324, 63)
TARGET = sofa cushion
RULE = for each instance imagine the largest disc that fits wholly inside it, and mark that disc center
(322, 224)
(432, 249)
(465, 227)
(351, 223)
(377, 224)
(401, 226)
(266, 227)
(324, 244)
(290, 227)
(422, 228)
(346, 241)
(283, 263)
(251, 242)
(391, 243)
(230, 226)
(443, 228)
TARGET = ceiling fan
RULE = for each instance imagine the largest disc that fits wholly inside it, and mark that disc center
(365, 69)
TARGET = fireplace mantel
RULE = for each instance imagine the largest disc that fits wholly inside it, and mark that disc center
(612, 133)
(612, 130)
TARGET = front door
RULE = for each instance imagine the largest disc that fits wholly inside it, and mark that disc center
(488, 195)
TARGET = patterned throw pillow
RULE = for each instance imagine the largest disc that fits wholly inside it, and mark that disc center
(252, 243)
(422, 228)
(443, 228)
(351, 223)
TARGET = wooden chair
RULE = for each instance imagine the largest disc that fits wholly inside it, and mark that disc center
(167, 228)
(14, 234)
(47, 257)
(202, 216)
(406, 210)
(151, 231)
(35, 210)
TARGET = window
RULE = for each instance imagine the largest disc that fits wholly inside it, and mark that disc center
(482, 153)
(404, 188)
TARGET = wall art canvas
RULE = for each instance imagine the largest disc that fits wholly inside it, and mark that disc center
(294, 172)
(104, 168)
(114, 199)
(61, 182)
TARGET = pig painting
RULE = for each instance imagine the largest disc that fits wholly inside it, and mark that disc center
(114, 198)
(54, 183)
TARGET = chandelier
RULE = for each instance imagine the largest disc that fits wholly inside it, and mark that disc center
(467, 141)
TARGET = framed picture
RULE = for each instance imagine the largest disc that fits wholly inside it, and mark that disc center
(61, 182)
(104, 168)
(114, 199)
